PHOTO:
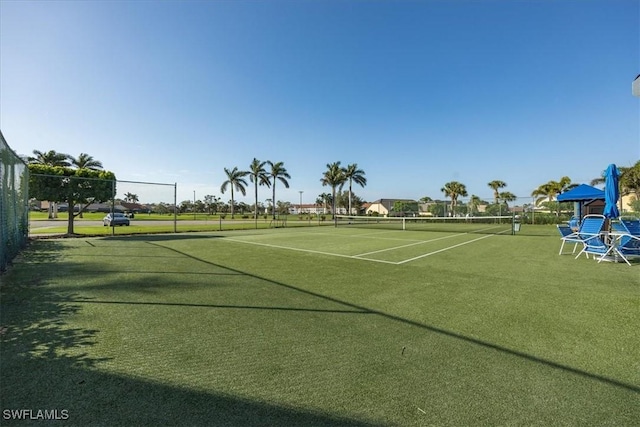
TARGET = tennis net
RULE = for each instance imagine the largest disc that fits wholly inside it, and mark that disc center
(478, 224)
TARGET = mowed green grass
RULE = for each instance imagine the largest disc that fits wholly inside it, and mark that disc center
(321, 326)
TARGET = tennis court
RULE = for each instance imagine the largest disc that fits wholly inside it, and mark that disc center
(321, 326)
(381, 245)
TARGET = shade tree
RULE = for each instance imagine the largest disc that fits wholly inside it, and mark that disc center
(74, 186)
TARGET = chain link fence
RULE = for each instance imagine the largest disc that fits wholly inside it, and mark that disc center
(528, 209)
(14, 204)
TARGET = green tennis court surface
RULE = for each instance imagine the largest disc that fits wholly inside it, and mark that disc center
(320, 326)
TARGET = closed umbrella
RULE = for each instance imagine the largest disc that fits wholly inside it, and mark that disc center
(611, 192)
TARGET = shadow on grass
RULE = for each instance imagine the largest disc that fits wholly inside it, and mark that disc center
(163, 237)
(45, 367)
(226, 306)
(451, 334)
(90, 397)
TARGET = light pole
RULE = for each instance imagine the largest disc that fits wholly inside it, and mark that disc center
(194, 205)
(300, 207)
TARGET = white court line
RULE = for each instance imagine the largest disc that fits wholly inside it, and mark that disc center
(308, 250)
(410, 244)
(445, 249)
(359, 257)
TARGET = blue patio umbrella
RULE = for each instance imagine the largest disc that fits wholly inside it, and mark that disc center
(611, 192)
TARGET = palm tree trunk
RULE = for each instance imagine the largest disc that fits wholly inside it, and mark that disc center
(273, 200)
(349, 198)
(232, 201)
(256, 205)
(333, 202)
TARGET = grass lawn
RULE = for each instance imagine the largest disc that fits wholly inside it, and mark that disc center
(320, 326)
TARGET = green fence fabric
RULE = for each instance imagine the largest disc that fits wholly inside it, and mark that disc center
(14, 204)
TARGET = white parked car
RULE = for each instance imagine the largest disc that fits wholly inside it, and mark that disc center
(115, 219)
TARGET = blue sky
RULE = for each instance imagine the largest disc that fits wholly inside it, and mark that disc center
(417, 93)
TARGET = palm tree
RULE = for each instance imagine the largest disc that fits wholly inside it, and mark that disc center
(474, 201)
(552, 189)
(630, 179)
(353, 174)
(598, 181)
(85, 161)
(544, 192)
(283, 207)
(235, 179)
(211, 202)
(506, 197)
(565, 184)
(323, 199)
(278, 173)
(495, 186)
(258, 175)
(50, 158)
(334, 177)
(454, 189)
(131, 198)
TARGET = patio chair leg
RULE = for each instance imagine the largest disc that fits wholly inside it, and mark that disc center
(582, 252)
(617, 253)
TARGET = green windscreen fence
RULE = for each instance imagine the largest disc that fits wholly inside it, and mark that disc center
(14, 204)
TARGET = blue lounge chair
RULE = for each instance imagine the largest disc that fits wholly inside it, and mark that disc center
(590, 235)
(626, 225)
(574, 223)
(568, 236)
(625, 239)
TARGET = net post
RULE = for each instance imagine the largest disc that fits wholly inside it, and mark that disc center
(113, 204)
(175, 207)
(404, 224)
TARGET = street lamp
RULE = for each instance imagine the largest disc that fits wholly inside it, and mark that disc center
(300, 206)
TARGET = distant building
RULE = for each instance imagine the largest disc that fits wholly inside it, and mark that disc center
(309, 208)
(384, 207)
(626, 202)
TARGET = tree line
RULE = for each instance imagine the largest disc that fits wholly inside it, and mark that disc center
(59, 177)
(269, 173)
